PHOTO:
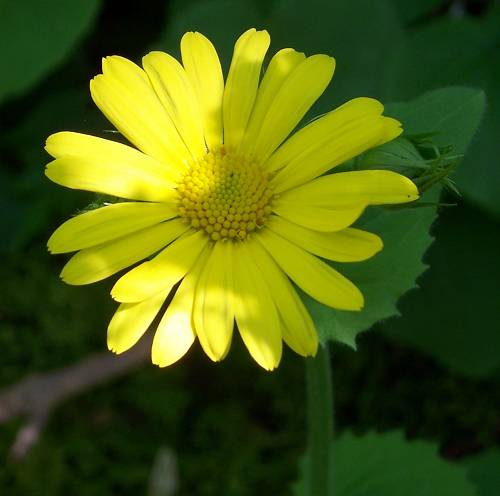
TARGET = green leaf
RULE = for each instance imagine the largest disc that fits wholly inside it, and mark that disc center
(385, 277)
(454, 317)
(36, 36)
(453, 114)
(458, 52)
(388, 465)
(453, 295)
(484, 472)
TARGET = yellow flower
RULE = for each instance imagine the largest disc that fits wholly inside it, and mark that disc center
(226, 208)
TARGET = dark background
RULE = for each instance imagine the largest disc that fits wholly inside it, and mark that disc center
(233, 429)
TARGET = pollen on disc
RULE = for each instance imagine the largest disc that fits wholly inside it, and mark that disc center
(226, 195)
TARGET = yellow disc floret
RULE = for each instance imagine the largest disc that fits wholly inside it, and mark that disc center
(226, 195)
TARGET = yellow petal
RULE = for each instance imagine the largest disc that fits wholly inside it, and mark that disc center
(175, 333)
(296, 96)
(162, 272)
(280, 67)
(345, 189)
(315, 277)
(256, 314)
(242, 83)
(347, 245)
(297, 325)
(329, 141)
(103, 166)
(176, 93)
(213, 312)
(318, 218)
(205, 73)
(131, 321)
(107, 223)
(323, 130)
(349, 142)
(125, 96)
(98, 262)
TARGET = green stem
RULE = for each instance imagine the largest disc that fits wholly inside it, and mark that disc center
(320, 424)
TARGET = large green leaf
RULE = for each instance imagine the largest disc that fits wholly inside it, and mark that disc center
(37, 35)
(458, 51)
(388, 465)
(452, 113)
(454, 318)
(484, 472)
(442, 319)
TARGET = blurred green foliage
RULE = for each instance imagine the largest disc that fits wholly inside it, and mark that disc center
(235, 429)
(35, 37)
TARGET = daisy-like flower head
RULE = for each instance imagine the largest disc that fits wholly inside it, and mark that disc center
(227, 210)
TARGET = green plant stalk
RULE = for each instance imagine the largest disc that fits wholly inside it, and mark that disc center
(320, 424)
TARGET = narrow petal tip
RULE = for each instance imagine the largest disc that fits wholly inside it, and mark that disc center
(379, 246)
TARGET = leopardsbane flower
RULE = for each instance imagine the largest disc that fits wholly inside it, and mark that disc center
(222, 208)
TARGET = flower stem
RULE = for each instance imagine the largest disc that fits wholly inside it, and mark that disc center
(320, 424)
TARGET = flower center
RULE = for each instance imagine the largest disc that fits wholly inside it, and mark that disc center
(227, 195)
